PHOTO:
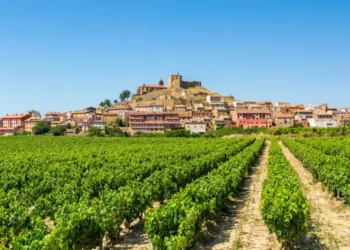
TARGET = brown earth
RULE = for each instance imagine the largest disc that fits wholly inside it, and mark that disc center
(132, 238)
(330, 218)
(242, 227)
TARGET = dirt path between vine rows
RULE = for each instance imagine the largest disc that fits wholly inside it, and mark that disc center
(243, 227)
(330, 217)
(133, 238)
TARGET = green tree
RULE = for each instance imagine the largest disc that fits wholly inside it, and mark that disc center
(58, 131)
(107, 103)
(119, 122)
(102, 104)
(124, 95)
(41, 128)
(115, 101)
(95, 131)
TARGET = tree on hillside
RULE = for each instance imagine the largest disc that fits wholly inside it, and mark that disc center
(116, 101)
(125, 95)
(41, 128)
(108, 103)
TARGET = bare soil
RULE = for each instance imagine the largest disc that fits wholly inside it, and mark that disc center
(330, 218)
(132, 238)
(242, 226)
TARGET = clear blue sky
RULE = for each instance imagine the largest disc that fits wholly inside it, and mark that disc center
(65, 55)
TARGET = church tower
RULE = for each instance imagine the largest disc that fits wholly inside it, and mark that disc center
(161, 82)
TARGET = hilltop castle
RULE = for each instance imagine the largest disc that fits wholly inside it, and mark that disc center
(174, 81)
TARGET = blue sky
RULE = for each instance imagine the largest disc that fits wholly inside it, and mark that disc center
(65, 55)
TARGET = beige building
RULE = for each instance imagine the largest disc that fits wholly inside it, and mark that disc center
(219, 111)
(56, 118)
(150, 108)
(199, 127)
(148, 88)
(284, 120)
(30, 123)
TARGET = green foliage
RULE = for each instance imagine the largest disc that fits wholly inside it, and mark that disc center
(235, 130)
(178, 133)
(78, 227)
(116, 132)
(95, 131)
(177, 224)
(119, 122)
(332, 170)
(133, 199)
(107, 103)
(125, 95)
(41, 128)
(88, 186)
(284, 207)
(58, 131)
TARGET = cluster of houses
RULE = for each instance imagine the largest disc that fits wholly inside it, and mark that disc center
(209, 113)
(197, 118)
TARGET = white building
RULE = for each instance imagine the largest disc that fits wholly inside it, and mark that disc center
(199, 127)
(150, 108)
(239, 104)
(215, 100)
(322, 119)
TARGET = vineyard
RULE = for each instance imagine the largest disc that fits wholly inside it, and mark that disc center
(88, 193)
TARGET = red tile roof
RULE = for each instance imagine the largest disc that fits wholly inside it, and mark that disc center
(280, 115)
(16, 116)
(153, 86)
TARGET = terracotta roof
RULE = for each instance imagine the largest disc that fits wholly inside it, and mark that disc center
(280, 115)
(33, 118)
(320, 112)
(15, 116)
(153, 86)
(216, 95)
(78, 112)
(55, 113)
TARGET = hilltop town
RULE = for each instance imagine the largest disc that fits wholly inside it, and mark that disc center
(156, 108)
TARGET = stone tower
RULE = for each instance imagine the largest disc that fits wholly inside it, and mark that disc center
(174, 81)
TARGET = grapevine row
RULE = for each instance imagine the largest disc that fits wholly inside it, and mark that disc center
(177, 224)
(129, 202)
(284, 208)
(332, 171)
